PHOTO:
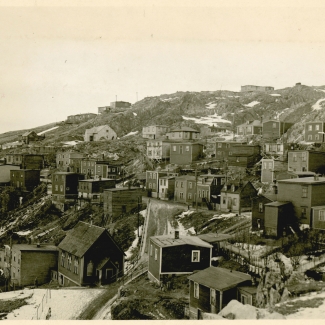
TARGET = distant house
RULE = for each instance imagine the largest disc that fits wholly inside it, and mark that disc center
(69, 161)
(237, 198)
(166, 187)
(278, 217)
(250, 128)
(185, 189)
(213, 288)
(103, 109)
(26, 161)
(79, 118)
(5, 174)
(183, 133)
(31, 262)
(258, 209)
(277, 149)
(120, 104)
(158, 149)
(306, 160)
(208, 131)
(91, 190)
(314, 131)
(184, 153)
(274, 129)
(97, 133)
(118, 201)
(271, 168)
(25, 179)
(290, 174)
(65, 189)
(88, 167)
(303, 193)
(250, 88)
(89, 255)
(31, 136)
(43, 150)
(154, 131)
(152, 181)
(172, 255)
(318, 217)
(107, 169)
(217, 240)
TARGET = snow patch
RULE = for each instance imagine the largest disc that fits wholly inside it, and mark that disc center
(55, 127)
(323, 90)
(168, 99)
(131, 133)
(71, 143)
(275, 95)
(135, 114)
(209, 120)
(317, 106)
(252, 104)
(211, 105)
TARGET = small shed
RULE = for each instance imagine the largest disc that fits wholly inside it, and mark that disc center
(216, 240)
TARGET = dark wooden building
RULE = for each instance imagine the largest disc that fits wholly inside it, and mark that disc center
(65, 189)
(314, 131)
(5, 174)
(306, 160)
(31, 136)
(172, 255)
(29, 262)
(25, 179)
(274, 129)
(118, 201)
(26, 161)
(89, 255)
(213, 288)
(107, 169)
(318, 217)
(184, 153)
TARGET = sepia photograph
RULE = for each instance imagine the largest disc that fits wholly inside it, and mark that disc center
(162, 160)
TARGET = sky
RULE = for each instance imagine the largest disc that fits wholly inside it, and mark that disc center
(60, 58)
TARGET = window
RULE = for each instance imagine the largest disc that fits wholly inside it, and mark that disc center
(190, 185)
(274, 125)
(187, 148)
(174, 148)
(181, 195)
(199, 193)
(56, 187)
(69, 262)
(196, 290)
(317, 127)
(321, 216)
(219, 145)
(303, 212)
(190, 196)
(304, 191)
(181, 184)
(310, 127)
(316, 136)
(260, 207)
(180, 149)
(154, 185)
(156, 254)
(62, 259)
(303, 156)
(151, 249)
(270, 165)
(234, 201)
(195, 256)
(176, 183)
(224, 200)
(310, 137)
(150, 185)
(150, 175)
(61, 188)
(294, 157)
(230, 153)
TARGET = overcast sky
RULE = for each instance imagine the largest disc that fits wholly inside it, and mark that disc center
(64, 58)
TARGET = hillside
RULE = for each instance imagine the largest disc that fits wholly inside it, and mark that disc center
(296, 104)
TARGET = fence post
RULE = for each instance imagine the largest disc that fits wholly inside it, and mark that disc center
(37, 312)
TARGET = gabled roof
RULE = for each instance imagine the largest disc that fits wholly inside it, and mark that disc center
(214, 237)
(81, 238)
(238, 188)
(96, 129)
(26, 134)
(251, 123)
(304, 180)
(277, 203)
(219, 278)
(169, 241)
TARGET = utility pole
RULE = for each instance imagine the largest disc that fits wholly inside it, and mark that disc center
(138, 216)
(196, 188)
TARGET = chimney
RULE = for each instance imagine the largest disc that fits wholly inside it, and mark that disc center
(176, 234)
(316, 177)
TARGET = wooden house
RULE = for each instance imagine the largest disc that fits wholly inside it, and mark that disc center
(25, 179)
(303, 193)
(29, 262)
(97, 133)
(237, 198)
(314, 131)
(278, 218)
(274, 129)
(26, 161)
(166, 187)
(183, 133)
(31, 136)
(158, 149)
(217, 240)
(122, 200)
(66, 160)
(306, 160)
(270, 169)
(107, 169)
(250, 128)
(318, 217)
(184, 153)
(5, 174)
(172, 255)
(154, 131)
(89, 255)
(291, 174)
(213, 288)
(185, 189)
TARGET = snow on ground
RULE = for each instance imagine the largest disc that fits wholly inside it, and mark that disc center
(317, 106)
(64, 303)
(222, 216)
(211, 105)
(275, 95)
(169, 99)
(234, 96)
(209, 120)
(23, 233)
(252, 104)
(135, 114)
(71, 143)
(55, 127)
(323, 90)
(131, 133)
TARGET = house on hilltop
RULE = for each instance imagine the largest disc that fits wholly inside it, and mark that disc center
(250, 88)
(89, 255)
(31, 136)
(97, 133)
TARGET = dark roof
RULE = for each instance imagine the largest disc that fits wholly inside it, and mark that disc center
(270, 196)
(81, 238)
(219, 278)
(304, 180)
(238, 188)
(168, 241)
(249, 289)
(214, 238)
(185, 129)
(33, 247)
